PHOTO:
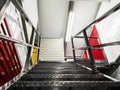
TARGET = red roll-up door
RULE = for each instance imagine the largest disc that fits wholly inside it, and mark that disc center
(6, 50)
(9, 61)
(1, 82)
(3, 76)
(4, 64)
(12, 46)
(6, 58)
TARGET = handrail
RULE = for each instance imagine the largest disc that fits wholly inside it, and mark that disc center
(92, 62)
(3, 37)
(85, 48)
(111, 11)
(99, 45)
(22, 12)
(10, 41)
(86, 37)
(107, 44)
(26, 18)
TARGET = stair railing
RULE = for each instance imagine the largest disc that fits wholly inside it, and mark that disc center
(9, 39)
(34, 32)
(24, 15)
(86, 37)
(26, 18)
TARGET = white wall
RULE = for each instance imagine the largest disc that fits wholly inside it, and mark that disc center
(84, 13)
(109, 30)
(31, 9)
(52, 16)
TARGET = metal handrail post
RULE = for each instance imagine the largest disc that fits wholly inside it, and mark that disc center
(9, 39)
(74, 57)
(92, 62)
(28, 59)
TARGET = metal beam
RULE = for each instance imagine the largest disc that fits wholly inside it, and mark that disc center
(85, 48)
(72, 42)
(107, 44)
(9, 39)
(93, 37)
(2, 11)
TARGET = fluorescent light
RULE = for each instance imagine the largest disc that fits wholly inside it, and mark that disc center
(69, 26)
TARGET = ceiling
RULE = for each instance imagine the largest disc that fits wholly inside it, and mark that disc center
(54, 17)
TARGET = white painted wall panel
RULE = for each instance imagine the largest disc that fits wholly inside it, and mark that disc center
(109, 30)
(84, 13)
(30, 7)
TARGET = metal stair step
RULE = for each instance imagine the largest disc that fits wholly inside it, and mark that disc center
(59, 71)
(82, 62)
(70, 77)
(58, 68)
(66, 84)
(57, 88)
(55, 65)
(64, 63)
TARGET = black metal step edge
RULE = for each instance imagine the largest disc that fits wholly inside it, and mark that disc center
(66, 84)
(63, 77)
(96, 76)
(59, 72)
(59, 68)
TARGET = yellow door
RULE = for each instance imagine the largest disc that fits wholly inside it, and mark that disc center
(34, 56)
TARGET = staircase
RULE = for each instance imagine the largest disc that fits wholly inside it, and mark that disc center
(63, 76)
(52, 50)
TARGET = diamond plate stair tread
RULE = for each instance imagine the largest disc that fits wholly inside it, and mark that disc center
(66, 84)
(57, 65)
(82, 62)
(62, 63)
(60, 71)
(58, 68)
(86, 77)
